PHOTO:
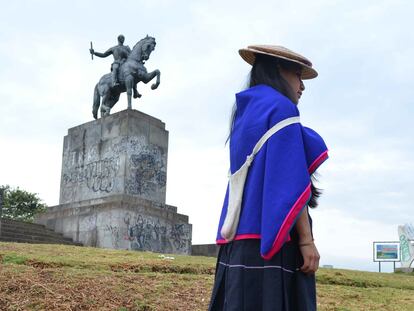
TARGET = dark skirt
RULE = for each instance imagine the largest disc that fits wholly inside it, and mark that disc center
(244, 281)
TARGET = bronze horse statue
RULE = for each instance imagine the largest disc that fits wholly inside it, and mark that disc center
(131, 72)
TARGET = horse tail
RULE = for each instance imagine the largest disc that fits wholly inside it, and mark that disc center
(96, 102)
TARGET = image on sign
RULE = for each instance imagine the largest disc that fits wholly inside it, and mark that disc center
(385, 251)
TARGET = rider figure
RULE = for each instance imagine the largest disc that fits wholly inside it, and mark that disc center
(120, 53)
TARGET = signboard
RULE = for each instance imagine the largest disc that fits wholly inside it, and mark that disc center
(386, 251)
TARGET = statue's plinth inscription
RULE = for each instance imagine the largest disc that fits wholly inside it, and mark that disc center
(113, 187)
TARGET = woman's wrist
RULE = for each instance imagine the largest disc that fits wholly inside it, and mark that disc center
(306, 242)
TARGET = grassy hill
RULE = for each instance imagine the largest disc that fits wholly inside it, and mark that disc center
(57, 277)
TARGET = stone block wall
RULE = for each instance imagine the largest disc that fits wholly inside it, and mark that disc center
(208, 250)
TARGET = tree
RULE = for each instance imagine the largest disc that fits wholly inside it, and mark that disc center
(20, 204)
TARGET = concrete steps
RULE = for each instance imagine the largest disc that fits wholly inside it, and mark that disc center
(23, 232)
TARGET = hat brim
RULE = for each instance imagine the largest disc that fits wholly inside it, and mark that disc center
(249, 55)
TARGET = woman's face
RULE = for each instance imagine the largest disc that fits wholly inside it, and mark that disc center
(293, 77)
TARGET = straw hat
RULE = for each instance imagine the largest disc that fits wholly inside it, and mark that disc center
(249, 55)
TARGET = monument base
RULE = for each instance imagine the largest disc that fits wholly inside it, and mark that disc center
(122, 222)
(113, 187)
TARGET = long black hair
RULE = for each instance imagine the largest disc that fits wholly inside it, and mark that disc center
(266, 70)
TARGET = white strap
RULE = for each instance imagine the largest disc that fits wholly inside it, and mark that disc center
(269, 133)
(238, 179)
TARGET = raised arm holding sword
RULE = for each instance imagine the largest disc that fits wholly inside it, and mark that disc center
(120, 53)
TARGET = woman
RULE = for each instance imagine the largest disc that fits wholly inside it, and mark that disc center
(267, 257)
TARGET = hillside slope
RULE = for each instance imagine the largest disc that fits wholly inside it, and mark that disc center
(58, 277)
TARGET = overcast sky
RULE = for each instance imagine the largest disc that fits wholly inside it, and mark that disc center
(361, 103)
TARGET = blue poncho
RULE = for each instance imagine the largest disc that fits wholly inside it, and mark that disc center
(278, 184)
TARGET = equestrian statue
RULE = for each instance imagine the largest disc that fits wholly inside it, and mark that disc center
(126, 71)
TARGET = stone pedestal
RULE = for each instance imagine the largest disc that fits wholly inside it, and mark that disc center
(113, 187)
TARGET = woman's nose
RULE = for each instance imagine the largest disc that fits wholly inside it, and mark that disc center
(302, 86)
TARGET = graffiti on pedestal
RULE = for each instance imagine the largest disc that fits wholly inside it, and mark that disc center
(97, 175)
(115, 234)
(92, 169)
(129, 145)
(147, 173)
(177, 233)
(148, 234)
(147, 169)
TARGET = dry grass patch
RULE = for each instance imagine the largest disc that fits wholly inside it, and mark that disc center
(58, 277)
(30, 288)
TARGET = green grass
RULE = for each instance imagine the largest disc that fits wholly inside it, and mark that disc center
(13, 258)
(57, 277)
(365, 279)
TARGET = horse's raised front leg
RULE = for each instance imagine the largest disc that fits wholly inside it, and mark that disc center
(129, 83)
(149, 76)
